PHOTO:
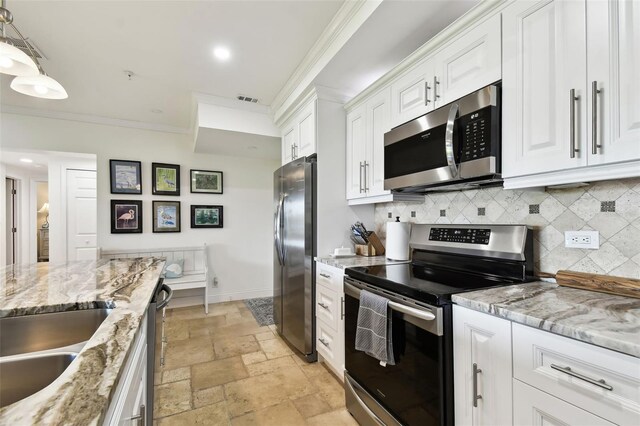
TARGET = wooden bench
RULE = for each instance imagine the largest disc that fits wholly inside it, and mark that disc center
(195, 268)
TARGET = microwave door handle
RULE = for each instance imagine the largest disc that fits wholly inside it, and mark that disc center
(448, 140)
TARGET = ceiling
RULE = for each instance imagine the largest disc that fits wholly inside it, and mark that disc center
(168, 45)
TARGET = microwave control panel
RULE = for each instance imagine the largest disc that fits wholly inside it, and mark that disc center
(476, 137)
(460, 235)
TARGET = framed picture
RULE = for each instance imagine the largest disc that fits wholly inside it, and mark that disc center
(206, 216)
(126, 216)
(206, 181)
(126, 177)
(166, 216)
(165, 179)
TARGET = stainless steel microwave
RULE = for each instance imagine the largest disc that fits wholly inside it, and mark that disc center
(452, 147)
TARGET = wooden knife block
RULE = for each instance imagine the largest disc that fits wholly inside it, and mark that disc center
(374, 248)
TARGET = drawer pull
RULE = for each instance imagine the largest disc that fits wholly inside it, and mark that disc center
(325, 275)
(567, 370)
(323, 305)
(324, 342)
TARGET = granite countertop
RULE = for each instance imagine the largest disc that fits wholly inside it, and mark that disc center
(605, 320)
(348, 262)
(82, 394)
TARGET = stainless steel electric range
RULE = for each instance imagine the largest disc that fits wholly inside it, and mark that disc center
(446, 259)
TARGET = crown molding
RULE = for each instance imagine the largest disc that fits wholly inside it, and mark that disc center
(350, 17)
(484, 10)
(93, 119)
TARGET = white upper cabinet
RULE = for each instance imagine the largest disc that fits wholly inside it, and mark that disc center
(544, 63)
(412, 95)
(299, 135)
(378, 123)
(571, 95)
(356, 152)
(469, 63)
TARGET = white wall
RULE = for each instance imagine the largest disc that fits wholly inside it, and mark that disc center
(241, 253)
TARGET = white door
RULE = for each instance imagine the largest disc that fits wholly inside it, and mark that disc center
(307, 131)
(288, 143)
(356, 154)
(482, 356)
(471, 62)
(378, 123)
(413, 94)
(82, 213)
(544, 59)
(613, 43)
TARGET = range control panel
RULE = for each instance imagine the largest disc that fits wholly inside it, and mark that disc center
(460, 235)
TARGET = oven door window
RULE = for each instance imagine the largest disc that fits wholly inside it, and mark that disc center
(412, 389)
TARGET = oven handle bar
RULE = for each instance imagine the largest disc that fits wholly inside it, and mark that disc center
(423, 315)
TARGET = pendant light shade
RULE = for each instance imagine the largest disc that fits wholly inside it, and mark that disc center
(14, 61)
(39, 86)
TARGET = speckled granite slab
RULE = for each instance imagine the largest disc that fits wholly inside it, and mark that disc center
(348, 262)
(82, 394)
(612, 322)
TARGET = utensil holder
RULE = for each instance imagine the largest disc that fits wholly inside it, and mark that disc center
(373, 248)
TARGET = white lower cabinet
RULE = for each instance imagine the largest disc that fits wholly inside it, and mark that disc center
(128, 405)
(330, 317)
(482, 368)
(534, 407)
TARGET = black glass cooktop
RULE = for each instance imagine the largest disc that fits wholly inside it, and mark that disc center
(433, 285)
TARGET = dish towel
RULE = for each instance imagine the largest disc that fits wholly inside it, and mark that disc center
(373, 334)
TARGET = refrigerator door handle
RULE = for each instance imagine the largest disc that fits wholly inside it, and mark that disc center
(281, 233)
(277, 230)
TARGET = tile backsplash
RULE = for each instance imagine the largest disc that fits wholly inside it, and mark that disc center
(610, 207)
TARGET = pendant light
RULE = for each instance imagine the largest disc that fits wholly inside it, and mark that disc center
(30, 78)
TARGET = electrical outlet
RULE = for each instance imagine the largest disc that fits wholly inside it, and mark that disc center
(582, 239)
(215, 281)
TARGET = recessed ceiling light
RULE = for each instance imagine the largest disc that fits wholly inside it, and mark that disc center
(222, 53)
(26, 160)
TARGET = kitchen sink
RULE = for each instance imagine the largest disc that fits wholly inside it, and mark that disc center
(21, 377)
(31, 333)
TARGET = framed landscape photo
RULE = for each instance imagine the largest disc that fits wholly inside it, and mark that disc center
(165, 179)
(126, 177)
(206, 181)
(166, 216)
(206, 216)
(126, 216)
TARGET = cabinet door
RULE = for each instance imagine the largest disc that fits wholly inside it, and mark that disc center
(471, 62)
(412, 94)
(356, 154)
(289, 138)
(544, 58)
(613, 43)
(484, 341)
(306, 144)
(534, 407)
(378, 123)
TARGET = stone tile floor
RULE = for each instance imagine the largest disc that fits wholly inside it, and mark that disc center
(224, 369)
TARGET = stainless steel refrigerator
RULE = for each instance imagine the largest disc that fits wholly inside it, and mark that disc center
(295, 248)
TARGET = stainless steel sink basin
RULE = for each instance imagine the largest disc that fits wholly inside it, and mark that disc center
(31, 333)
(20, 378)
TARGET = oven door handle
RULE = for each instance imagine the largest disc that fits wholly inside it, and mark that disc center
(448, 139)
(407, 310)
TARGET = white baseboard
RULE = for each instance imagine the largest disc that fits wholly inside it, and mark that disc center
(189, 299)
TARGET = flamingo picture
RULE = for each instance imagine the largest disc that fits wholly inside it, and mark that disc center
(127, 217)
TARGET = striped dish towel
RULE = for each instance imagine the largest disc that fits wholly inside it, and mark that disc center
(373, 335)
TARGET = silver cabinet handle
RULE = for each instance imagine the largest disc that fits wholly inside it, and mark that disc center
(366, 177)
(427, 101)
(435, 88)
(142, 416)
(572, 123)
(342, 308)
(361, 167)
(295, 149)
(476, 397)
(325, 275)
(448, 140)
(567, 370)
(324, 342)
(291, 149)
(594, 118)
(323, 305)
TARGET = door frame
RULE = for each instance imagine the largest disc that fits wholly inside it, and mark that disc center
(33, 218)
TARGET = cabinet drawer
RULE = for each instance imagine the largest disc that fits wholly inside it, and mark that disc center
(329, 276)
(603, 382)
(534, 407)
(330, 346)
(328, 307)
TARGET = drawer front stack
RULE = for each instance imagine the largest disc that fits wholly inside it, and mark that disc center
(330, 317)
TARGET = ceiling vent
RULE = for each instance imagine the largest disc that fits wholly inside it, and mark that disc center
(247, 99)
(23, 46)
